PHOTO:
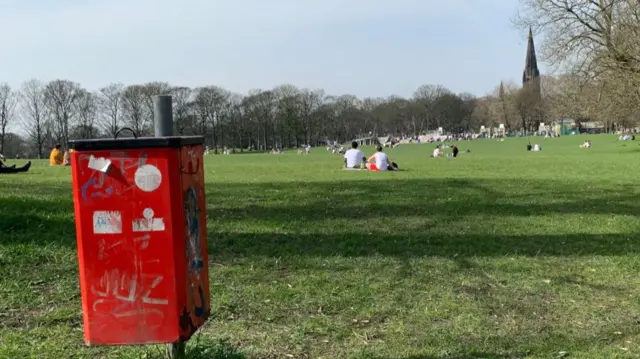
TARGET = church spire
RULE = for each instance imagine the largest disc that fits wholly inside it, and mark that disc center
(531, 71)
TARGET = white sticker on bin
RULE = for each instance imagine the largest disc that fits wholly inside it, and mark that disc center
(148, 178)
(107, 222)
(99, 164)
(148, 223)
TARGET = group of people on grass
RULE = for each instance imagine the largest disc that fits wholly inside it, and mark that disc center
(57, 157)
(534, 148)
(354, 158)
(437, 152)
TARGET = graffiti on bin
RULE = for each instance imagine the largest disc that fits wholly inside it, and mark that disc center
(99, 184)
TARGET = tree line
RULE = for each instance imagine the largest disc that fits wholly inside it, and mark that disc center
(286, 116)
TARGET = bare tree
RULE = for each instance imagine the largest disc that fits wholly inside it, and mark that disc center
(506, 104)
(529, 105)
(502, 107)
(208, 105)
(447, 111)
(8, 102)
(425, 96)
(467, 106)
(586, 37)
(203, 112)
(260, 107)
(134, 110)
(310, 101)
(86, 109)
(236, 121)
(287, 125)
(60, 98)
(482, 112)
(110, 105)
(33, 111)
(182, 109)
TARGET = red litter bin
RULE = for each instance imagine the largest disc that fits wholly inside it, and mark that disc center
(140, 215)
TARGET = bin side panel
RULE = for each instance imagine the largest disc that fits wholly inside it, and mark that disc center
(124, 234)
(76, 179)
(197, 306)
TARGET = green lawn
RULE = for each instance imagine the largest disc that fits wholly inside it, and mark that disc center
(500, 253)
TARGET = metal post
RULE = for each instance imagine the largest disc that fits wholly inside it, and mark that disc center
(163, 126)
(163, 115)
(176, 351)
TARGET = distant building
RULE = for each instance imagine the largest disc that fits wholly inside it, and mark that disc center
(531, 73)
(592, 127)
(530, 79)
(531, 83)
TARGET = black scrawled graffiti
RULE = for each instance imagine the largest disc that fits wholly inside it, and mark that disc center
(195, 263)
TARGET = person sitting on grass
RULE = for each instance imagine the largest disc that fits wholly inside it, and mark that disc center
(12, 169)
(354, 158)
(56, 158)
(436, 152)
(454, 151)
(66, 160)
(3, 164)
(381, 162)
(586, 144)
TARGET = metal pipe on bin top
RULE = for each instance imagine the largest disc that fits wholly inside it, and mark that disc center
(163, 115)
(163, 127)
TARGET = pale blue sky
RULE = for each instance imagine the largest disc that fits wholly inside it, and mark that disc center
(362, 47)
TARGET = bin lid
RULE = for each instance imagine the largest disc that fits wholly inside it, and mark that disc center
(135, 143)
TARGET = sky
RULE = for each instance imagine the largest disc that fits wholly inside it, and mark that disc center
(367, 48)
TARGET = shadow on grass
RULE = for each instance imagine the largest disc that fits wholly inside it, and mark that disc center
(222, 349)
(451, 356)
(428, 205)
(45, 215)
(229, 245)
(24, 219)
(430, 197)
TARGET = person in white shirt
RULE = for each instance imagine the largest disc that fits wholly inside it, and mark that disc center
(354, 158)
(436, 152)
(380, 161)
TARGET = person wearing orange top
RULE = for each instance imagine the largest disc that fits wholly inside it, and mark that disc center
(56, 158)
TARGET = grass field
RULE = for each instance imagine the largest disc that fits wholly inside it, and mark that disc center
(500, 253)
